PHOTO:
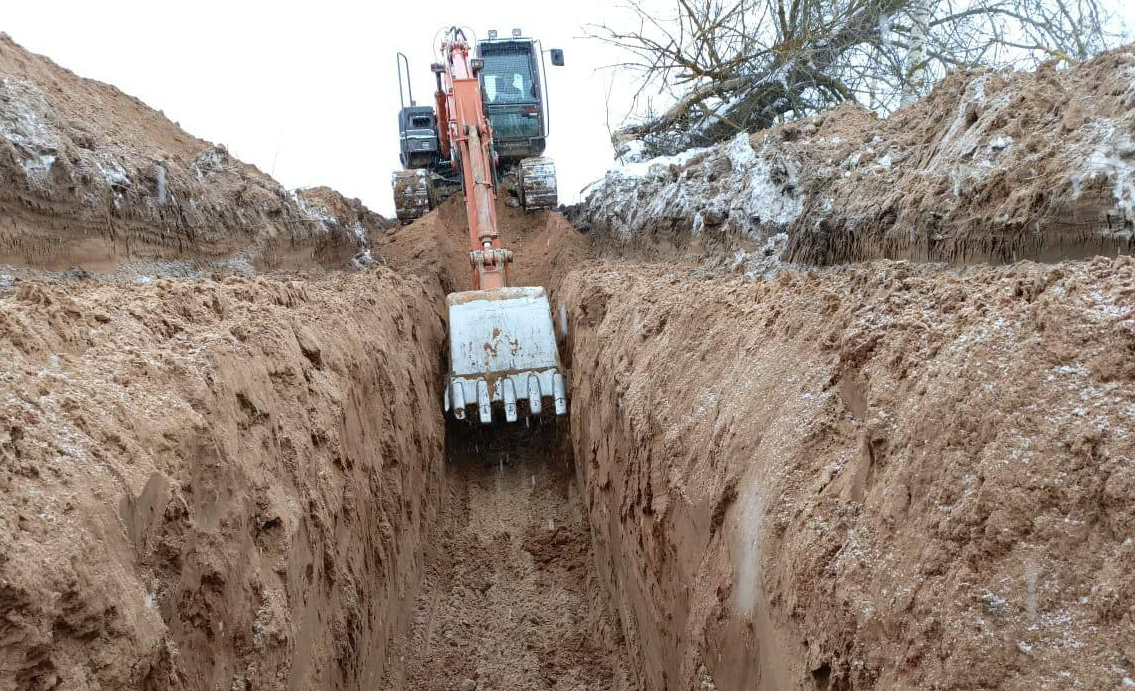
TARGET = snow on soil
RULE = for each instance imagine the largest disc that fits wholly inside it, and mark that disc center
(732, 185)
(136, 180)
(326, 219)
(24, 113)
(1114, 160)
(992, 166)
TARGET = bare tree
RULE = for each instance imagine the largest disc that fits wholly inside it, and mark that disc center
(731, 65)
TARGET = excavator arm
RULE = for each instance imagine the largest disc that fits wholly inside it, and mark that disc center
(468, 136)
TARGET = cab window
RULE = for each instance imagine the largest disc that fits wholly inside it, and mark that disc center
(508, 79)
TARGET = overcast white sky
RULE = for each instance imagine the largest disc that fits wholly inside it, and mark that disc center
(308, 92)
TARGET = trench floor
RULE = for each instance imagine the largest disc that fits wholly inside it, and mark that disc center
(510, 599)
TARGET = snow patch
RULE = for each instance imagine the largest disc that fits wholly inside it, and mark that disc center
(25, 117)
(114, 174)
(1114, 159)
(729, 188)
(362, 259)
(209, 161)
(38, 168)
(161, 175)
(633, 151)
(360, 233)
(643, 168)
(1000, 143)
(314, 212)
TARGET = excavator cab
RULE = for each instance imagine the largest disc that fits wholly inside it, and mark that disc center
(514, 91)
(514, 96)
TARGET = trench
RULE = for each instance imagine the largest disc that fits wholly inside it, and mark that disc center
(743, 463)
(877, 476)
(510, 596)
(509, 591)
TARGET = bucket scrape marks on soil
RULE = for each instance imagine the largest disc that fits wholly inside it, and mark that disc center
(214, 484)
(879, 477)
(509, 598)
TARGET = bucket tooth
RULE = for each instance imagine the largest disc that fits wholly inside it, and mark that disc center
(458, 396)
(535, 402)
(509, 393)
(559, 391)
(484, 403)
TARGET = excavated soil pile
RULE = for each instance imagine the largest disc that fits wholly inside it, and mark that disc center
(92, 177)
(992, 166)
(878, 477)
(214, 484)
(436, 247)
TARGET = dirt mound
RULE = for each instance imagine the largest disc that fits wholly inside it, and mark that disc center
(885, 477)
(992, 166)
(214, 484)
(546, 246)
(92, 177)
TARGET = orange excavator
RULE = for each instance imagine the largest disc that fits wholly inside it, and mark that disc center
(503, 357)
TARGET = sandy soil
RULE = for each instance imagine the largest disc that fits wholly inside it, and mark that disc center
(875, 476)
(436, 247)
(214, 484)
(510, 593)
(879, 477)
(92, 177)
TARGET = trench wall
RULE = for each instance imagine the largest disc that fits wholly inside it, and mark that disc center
(879, 477)
(218, 484)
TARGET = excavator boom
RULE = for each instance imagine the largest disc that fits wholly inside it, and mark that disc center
(470, 134)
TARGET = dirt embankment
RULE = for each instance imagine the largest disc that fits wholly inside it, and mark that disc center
(990, 167)
(436, 247)
(214, 484)
(92, 177)
(879, 477)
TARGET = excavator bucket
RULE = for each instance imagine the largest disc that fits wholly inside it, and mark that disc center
(503, 355)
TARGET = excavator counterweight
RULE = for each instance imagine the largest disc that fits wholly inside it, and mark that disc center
(504, 362)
